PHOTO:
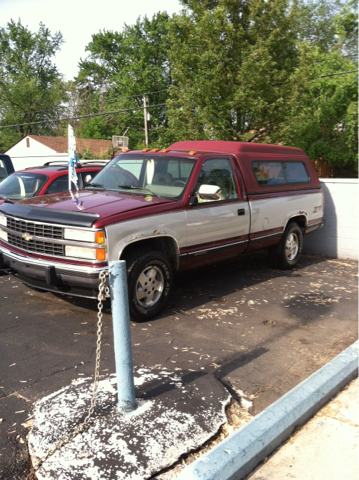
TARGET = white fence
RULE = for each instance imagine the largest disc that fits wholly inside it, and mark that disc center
(339, 237)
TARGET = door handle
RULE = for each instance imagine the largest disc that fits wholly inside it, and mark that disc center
(241, 211)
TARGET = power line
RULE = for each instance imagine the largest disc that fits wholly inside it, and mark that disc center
(334, 74)
(57, 120)
(99, 102)
(137, 108)
(316, 78)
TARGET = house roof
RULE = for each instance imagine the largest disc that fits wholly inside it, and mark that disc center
(60, 144)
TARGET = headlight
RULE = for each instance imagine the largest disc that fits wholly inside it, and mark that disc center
(98, 254)
(80, 235)
(3, 235)
(80, 252)
(3, 220)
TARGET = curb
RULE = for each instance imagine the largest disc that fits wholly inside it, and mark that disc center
(240, 453)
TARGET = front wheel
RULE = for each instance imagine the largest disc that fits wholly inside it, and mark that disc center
(286, 254)
(149, 284)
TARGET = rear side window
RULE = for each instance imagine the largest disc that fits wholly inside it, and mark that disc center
(268, 173)
(280, 173)
(295, 172)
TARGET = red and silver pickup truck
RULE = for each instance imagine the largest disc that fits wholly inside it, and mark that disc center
(161, 211)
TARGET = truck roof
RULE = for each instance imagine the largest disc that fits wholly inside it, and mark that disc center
(234, 147)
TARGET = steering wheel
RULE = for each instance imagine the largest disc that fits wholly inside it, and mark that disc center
(178, 183)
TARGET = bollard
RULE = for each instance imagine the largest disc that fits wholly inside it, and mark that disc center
(122, 336)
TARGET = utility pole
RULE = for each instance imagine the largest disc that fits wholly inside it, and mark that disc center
(145, 116)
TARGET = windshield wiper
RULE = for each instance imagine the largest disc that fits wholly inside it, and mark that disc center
(130, 187)
(95, 185)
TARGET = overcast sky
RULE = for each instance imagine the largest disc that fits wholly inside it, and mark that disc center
(78, 20)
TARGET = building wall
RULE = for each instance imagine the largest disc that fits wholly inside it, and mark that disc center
(34, 155)
(339, 237)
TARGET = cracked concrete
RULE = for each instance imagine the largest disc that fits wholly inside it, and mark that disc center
(174, 416)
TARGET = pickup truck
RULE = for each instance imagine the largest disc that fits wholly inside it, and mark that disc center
(6, 166)
(193, 203)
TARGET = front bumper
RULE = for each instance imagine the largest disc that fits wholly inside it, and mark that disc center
(54, 277)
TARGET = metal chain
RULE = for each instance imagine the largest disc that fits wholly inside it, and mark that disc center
(104, 292)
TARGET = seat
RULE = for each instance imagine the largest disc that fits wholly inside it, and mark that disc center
(160, 178)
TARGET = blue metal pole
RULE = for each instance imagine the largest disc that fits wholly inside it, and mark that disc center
(122, 336)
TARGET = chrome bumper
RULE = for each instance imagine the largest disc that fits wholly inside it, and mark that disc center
(54, 276)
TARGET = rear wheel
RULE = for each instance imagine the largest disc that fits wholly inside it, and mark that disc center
(149, 284)
(286, 254)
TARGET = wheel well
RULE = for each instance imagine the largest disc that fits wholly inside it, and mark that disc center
(301, 220)
(166, 245)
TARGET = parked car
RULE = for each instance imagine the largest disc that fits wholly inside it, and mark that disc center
(50, 178)
(6, 167)
(161, 211)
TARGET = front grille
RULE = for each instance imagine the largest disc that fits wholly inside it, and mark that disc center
(36, 246)
(35, 229)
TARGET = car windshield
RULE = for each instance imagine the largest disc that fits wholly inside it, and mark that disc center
(162, 176)
(19, 186)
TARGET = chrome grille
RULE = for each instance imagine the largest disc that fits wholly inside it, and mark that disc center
(36, 246)
(35, 229)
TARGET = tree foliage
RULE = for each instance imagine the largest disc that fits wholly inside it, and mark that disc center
(125, 64)
(257, 71)
(248, 70)
(230, 64)
(321, 116)
(31, 88)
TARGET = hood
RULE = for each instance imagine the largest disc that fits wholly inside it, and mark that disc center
(103, 203)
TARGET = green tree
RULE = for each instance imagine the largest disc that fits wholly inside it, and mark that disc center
(321, 117)
(31, 88)
(230, 61)
(125, 64)
(257, 71)
(321, 114)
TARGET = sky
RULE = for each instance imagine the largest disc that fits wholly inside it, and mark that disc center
(78, 20)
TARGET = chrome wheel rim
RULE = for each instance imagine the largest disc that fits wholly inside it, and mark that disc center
(292, 246)
(149, 286)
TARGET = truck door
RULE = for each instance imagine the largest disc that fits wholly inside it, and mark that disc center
(217, 228)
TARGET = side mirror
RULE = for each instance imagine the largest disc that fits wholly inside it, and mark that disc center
(88, 179)
(209, 192)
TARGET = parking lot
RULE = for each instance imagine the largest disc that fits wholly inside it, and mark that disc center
(260, 331)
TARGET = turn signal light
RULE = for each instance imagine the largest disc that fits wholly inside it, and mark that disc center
(100, 237)
(100, 254)
(155, 150)
(192, 152)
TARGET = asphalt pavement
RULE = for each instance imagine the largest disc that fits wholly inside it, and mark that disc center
(260, 331)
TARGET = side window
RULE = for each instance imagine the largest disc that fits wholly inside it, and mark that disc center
(268, 173)
(61, 184)
(218, 172)
(3, 173)
(295, 172)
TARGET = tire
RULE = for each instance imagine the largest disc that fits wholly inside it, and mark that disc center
(149, 284)
(286, 254)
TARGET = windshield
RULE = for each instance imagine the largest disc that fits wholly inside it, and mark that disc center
(160, 175)
(19, 186)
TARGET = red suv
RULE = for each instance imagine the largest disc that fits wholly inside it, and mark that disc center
(52, 177)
